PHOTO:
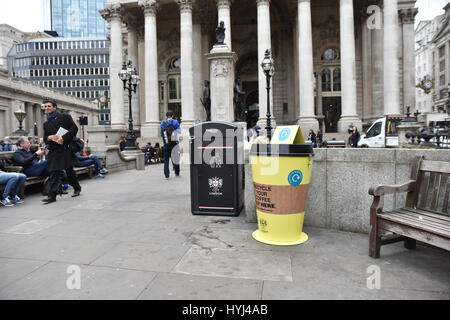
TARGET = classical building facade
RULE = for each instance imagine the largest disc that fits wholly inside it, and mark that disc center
(18, 94)
(336, 62)
(441, 65)
(8, 36)
(425, 32)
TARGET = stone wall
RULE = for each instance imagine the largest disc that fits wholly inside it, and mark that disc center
(338, 197)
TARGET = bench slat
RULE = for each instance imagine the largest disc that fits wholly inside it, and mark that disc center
(435, 192)
(424, 194)
(435, 166)
(446, 196)
(432, 222)
(415, 233)
(415, 224)
(427, 213)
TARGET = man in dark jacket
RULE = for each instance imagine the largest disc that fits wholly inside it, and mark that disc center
(59, 157)
(23, 157)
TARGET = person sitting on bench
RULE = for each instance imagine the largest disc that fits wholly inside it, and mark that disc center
(85, 160)
(14, 181)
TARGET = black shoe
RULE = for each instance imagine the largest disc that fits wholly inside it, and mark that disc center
(76, 193)
(48, 200)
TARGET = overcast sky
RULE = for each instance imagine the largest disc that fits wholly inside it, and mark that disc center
(28, 15)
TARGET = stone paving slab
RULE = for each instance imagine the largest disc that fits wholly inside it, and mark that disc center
(63, 249)
(50, 282)
(142, 256)
(133, 236)
(243, 264)
(12, 270)
(167, 286)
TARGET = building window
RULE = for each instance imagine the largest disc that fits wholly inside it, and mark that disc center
(175, 64)
(331, 54)
(174, 82)
(337, 79)
(326, 80)
(161, 91)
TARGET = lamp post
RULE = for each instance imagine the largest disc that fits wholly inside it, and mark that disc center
(269, 71)
(20, 115)
(130, 79)
(36, 140)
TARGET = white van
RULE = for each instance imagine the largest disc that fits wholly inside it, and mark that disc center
(381, 134)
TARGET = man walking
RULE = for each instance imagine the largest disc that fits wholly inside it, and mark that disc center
(59, 157)
(169, 132)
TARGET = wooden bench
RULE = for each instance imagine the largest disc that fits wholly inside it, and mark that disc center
(7, 163)
(425, 216)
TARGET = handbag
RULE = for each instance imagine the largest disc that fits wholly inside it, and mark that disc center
(76, 145)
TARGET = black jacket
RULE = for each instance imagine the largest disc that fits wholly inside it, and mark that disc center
(24, 158)
(59, 156)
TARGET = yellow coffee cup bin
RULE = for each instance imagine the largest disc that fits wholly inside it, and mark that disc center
(281, 175)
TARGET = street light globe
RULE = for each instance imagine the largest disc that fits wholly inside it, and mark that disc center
(20, 115)
(134, 79)
(123, 75)
(267, 64)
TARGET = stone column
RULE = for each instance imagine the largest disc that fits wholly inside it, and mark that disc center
(223, 7)
(113, 14)
(131, 22)
(39, 120)
(391, 62)
(186, 48)
(366, 67)
(29, 119)
(348, 67)
(319, 93)
(264, 43)
(307, 119)
(409, 88)
(377, 74)
(197, 70)
(150, 128)
(141, 59)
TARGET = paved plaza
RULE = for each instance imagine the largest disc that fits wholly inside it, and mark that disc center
(132, 236)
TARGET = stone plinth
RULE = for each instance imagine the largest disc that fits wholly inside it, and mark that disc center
(222, 62)
(403, 129)
(136, 155)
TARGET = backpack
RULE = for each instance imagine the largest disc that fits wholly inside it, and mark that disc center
(169, 134)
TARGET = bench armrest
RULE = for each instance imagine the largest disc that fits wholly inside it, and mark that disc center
(382, 190)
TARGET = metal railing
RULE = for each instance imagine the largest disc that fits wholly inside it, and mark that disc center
(438, 140)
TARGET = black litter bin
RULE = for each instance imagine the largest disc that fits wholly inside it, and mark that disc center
(217, 169)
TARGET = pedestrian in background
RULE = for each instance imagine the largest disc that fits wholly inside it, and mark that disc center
(170, 129)
(312, 138)
(319, 138)
(355, 137)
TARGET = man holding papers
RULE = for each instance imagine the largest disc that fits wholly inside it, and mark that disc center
(59, 130)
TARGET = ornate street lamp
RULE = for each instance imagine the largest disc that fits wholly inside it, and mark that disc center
(269, 71)
(20, 115)
(130, 79)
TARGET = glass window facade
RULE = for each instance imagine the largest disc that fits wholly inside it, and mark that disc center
(78, 18)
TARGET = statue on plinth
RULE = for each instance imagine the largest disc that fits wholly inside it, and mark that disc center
(239, 109)
(220, 33)
(206, 101)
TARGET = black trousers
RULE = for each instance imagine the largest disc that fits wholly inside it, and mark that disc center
(54, 181)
